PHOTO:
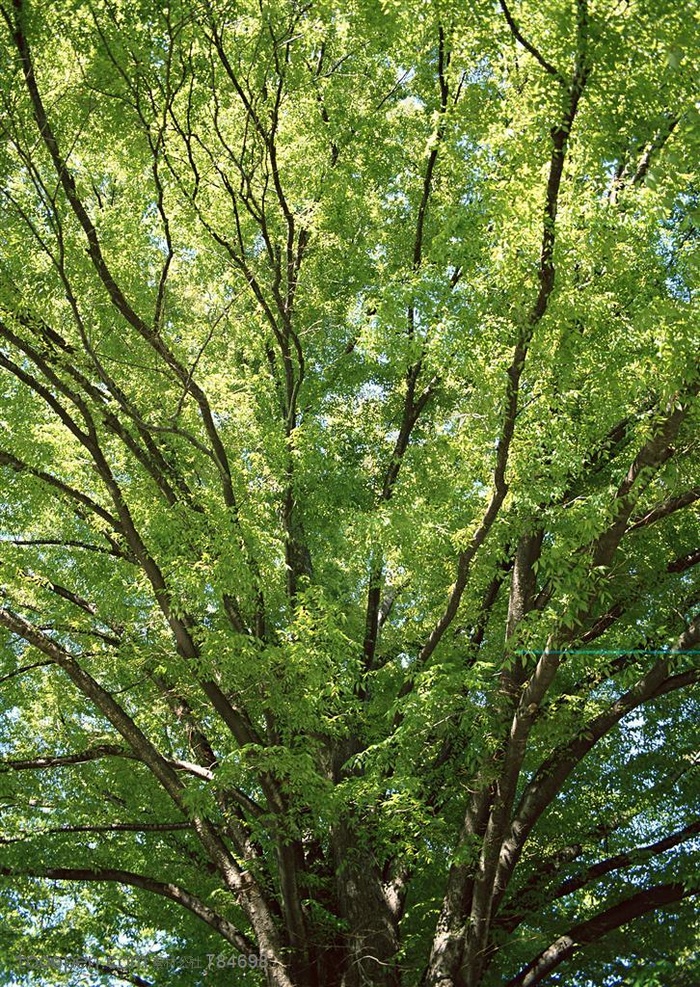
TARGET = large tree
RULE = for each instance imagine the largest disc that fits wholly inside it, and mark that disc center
(349, 521)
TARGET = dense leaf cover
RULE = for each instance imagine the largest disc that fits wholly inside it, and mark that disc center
(349, 529)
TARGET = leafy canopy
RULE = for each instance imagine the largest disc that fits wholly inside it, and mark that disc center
(349, 523)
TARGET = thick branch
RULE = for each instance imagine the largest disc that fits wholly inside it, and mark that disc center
(552, 774)
(528, 46)
(115, 293)
(241, 883)
(166, 890)
(533, 892)
(19, 466)
(64, 760)
(414, 404)
(622, 861)
(667, 507)
(534, 896)
(463, 938)
(23, 669)
(594, 929)
(546, 277)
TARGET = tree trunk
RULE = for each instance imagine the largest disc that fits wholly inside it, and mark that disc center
(372, 934)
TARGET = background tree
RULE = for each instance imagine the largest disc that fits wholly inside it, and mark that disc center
(350, 529)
